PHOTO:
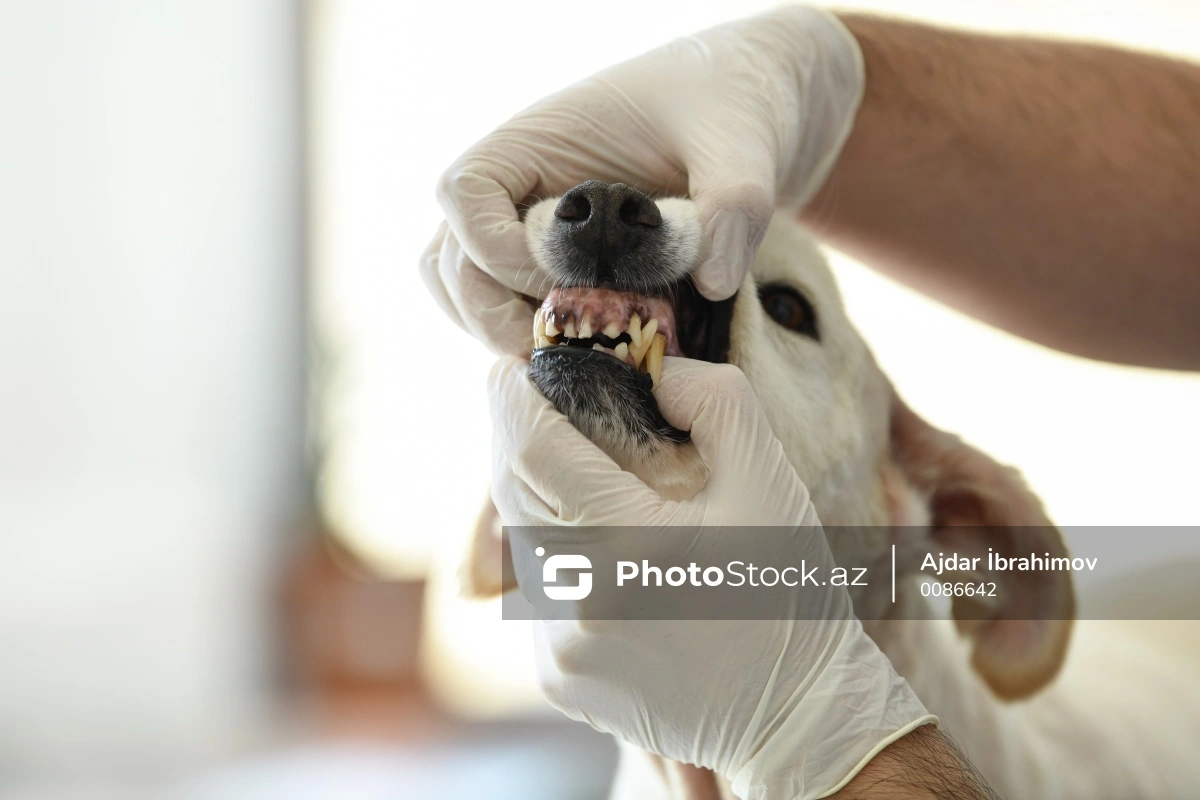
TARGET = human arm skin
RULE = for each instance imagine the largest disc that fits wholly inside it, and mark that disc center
(1049, 188)
(921, 765)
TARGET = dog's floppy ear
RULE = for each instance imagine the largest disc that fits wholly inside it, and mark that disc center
(974, 503)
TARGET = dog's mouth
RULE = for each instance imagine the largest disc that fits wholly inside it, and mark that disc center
(598, 355)
(635, 329)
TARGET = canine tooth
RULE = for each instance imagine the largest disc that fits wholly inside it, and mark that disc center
(569, 330)
(585, 327)
(642, 347)
(638, 351)
(612, 330)
(539, 328)
(542, 341)
(654, 359)
(635, 330)
(552, 329)
(621, 351)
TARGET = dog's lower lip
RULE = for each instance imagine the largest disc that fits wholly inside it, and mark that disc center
(564, 374)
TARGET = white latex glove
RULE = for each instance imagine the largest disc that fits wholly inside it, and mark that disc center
(787, 708)
(740, 117)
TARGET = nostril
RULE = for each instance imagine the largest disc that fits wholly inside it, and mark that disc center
(573, 207)
(640, 210)
(579, 203)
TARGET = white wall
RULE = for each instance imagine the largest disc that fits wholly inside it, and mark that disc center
(151, 393)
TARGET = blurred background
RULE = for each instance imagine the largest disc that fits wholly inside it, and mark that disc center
(234, 486)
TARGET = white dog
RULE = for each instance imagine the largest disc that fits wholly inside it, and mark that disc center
(1042, 711)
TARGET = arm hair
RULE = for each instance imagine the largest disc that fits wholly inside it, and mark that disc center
(922, 765)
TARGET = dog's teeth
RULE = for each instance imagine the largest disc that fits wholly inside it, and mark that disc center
(649, 330)
(612, 330)
(635, 330)
(585, 327)
(569, 330)
(551, 329)
(540, 339)
(598, 346)
(658, 346)
(638, 351)
(621, 351)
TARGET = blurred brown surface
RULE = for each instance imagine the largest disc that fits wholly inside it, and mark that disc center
(350, 646)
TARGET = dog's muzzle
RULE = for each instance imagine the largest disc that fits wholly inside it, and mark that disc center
(622, 301)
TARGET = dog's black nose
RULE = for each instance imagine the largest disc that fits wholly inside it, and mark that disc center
(606, 221)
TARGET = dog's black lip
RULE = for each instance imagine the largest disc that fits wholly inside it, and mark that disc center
(600, 339)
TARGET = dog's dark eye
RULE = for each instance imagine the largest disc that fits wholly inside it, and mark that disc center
(789, 308)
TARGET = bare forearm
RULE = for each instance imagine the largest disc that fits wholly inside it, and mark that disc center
(1049, 188)
(919, 766)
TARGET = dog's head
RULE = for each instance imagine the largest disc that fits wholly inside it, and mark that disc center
(623, 298)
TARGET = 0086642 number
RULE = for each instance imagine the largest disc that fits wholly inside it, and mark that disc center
(931, 589)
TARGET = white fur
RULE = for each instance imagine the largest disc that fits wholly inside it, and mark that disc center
(682, 229)
(538, 220)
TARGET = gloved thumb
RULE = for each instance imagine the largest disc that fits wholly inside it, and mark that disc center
(734, 215)
(717, 405)
(750, 479)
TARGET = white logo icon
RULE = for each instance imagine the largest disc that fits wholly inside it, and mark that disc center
(566, 561)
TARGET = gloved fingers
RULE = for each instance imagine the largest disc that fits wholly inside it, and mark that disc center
(479, 194)
(735, 207)
(559, 647)
(562, 466)
(432, 278)
(516, 501)
(476, 302)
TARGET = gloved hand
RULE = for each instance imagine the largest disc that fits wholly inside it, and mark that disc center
(740, 118)
(785, 708)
